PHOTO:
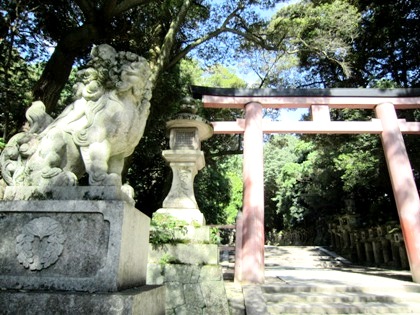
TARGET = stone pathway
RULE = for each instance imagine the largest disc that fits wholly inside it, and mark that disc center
(312, 280)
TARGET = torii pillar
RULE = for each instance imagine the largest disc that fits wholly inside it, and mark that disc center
(252, 267)
(403, 184)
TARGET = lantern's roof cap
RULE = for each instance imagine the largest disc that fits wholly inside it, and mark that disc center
(183, 120)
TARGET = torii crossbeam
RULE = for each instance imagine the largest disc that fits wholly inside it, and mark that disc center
(249, 267)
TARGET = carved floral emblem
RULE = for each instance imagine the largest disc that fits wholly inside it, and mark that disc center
(40, 244)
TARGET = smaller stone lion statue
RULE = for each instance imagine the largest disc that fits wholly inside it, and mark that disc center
(93, 135)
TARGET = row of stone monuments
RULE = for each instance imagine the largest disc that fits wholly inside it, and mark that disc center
(382, 245)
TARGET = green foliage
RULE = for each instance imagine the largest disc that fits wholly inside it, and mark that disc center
(356, 166)
(215, 76)
(191, 72)
(212, 192)
(167, 259)
(16, 78)
(388, 52)
(342, 43)
(311, 178)
(165, 229)
(294, 188)
(236, 196)
(317, 33)
(383, 84)
(220, 76)
(287, 164)
(215, 236)
(232, 166)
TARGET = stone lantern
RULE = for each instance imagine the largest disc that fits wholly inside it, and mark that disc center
(186, 131)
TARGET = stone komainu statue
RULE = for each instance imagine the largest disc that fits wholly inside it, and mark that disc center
(93, 135)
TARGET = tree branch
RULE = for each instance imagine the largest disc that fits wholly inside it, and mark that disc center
(169, 40)
(252, 38)
(108, 9)
(342, 64)
(223, 28)
(193, 45)
(87, 9)
(226, 152)
(126, 5)
(263, 80)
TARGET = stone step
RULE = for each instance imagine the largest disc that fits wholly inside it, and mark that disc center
(306, 259)
(341, 299)
(320, 266)
(342, 308)
(348, 297)
(284, 289)
(318, 260)
(313, 280)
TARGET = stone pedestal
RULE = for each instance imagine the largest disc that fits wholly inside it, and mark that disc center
(189, 254)
(61, 251)
(140, 301)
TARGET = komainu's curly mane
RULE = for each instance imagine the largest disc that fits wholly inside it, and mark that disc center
(94, 134)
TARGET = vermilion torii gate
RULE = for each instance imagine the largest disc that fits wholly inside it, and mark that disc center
(249, 267)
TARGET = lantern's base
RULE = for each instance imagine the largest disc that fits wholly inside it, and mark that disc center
(192, 217)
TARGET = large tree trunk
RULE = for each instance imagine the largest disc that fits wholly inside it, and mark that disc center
(58, 67)
(55, 75)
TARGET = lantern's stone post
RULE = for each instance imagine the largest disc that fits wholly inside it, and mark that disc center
(403, 184)
(186, 131)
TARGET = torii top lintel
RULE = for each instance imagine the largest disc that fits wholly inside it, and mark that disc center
(304, 98)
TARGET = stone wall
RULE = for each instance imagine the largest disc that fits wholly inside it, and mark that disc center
(192, 287)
